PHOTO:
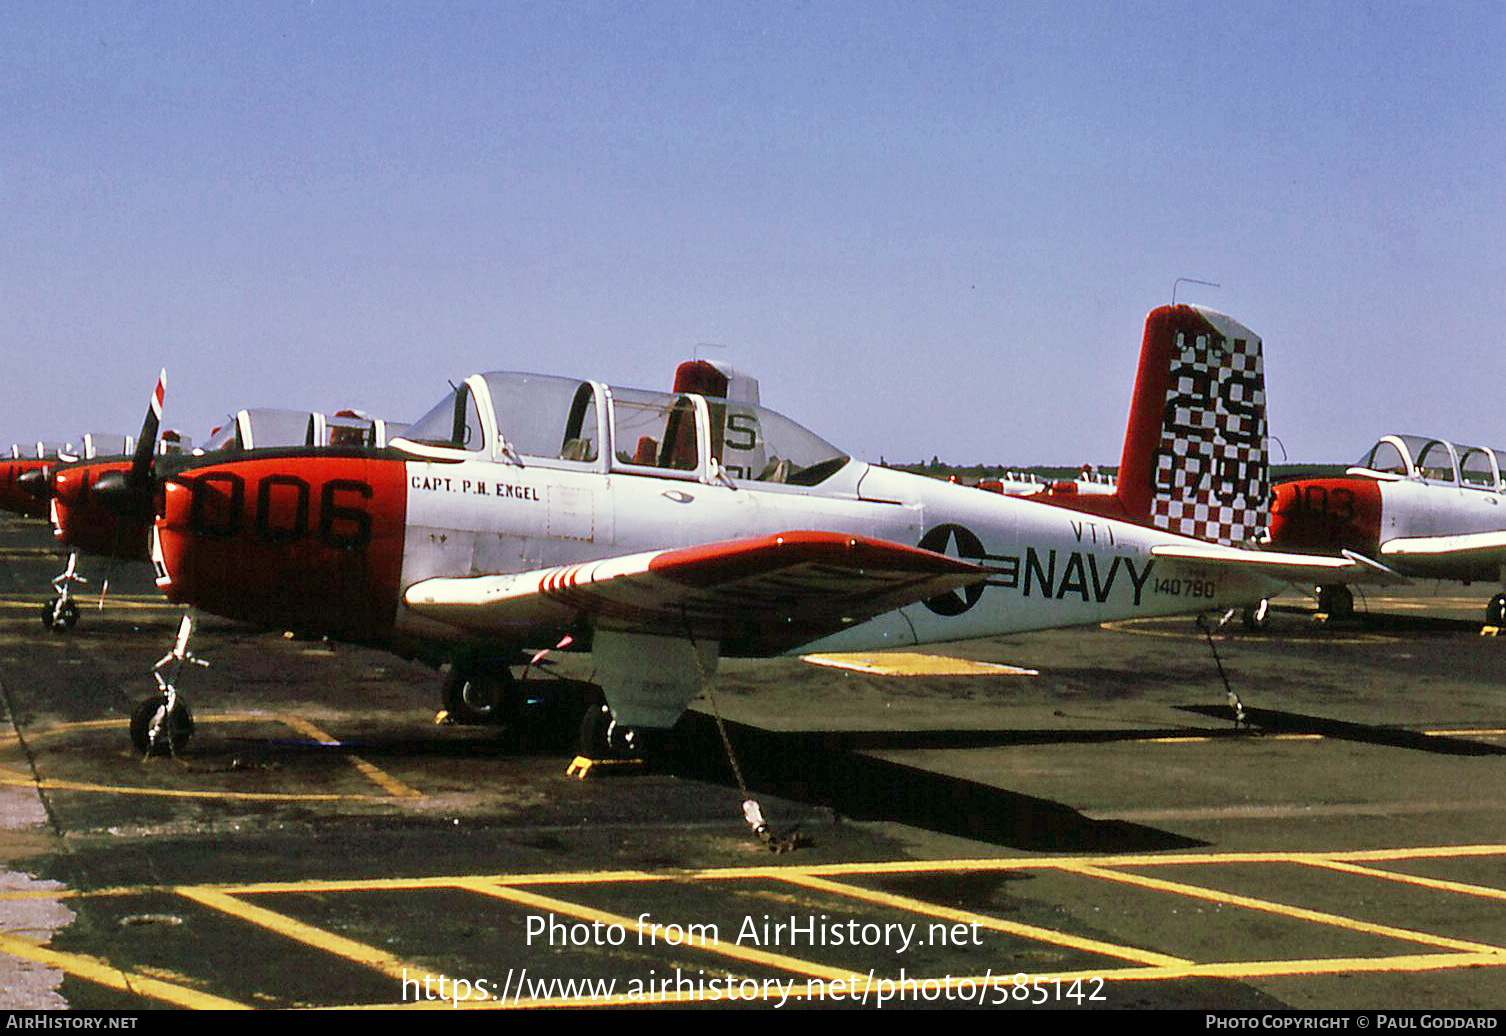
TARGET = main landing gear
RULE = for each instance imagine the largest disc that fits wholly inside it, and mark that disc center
(1495, 611)
(163, 725)
(1335, 600)
(61, 613)
(542, 713)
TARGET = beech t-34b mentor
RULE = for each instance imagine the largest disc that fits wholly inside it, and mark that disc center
(662, 530)
(1413, 507)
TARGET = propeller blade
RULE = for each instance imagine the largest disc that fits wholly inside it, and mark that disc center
(146, 443)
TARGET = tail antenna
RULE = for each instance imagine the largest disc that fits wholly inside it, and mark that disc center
(1188, 280)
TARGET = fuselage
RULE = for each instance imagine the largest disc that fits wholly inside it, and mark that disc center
(1406, 488)
(328, 542)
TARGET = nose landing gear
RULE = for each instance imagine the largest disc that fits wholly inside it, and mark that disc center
(163, 725)
(61, 613)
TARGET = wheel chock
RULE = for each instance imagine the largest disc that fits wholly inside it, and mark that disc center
(582, 765)
(1490, 631)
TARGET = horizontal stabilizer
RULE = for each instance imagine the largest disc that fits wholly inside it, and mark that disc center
(1292, 568)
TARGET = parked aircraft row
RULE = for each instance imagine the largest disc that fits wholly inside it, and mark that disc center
(663, 530)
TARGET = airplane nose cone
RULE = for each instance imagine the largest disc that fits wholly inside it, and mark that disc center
(1327, 516)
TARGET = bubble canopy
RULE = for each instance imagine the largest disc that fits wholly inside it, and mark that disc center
(1434, 460)
(569, 423)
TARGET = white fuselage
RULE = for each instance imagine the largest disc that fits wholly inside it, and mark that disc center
(1048, 567)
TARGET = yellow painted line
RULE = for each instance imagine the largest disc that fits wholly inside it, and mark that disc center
(1193, 633)
(12, 779)
(1200, 738)
(1192, 739)
(100, 973)
(901, 663)
(780, 873)
(1285, 910)
(299, 931)
(92, 603)
(1483, 891)
(391, 785)
(372, 773)
(656, 932)
(1047, 935)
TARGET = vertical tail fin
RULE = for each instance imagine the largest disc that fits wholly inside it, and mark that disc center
(1195, 452)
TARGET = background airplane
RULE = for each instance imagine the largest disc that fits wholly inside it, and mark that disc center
(1412, 507)
(104, 506)
(23, 460)
(662, 530)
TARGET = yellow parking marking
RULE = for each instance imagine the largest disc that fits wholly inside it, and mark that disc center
(103, 974)
(1193, 633)
(901, 663)
(1141, 965)
(1297, 913)
(391, 785)
(993, 924)
(656, 931)
(372, 773)
(339, 945)
(1483, 891)
(136, 601)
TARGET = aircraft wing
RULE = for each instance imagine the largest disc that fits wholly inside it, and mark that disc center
(1475, 548)
(1291, 568)
(764, 594)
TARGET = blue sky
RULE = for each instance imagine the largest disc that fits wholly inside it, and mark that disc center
(928, 228)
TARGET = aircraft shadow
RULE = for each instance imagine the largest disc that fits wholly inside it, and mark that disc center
(1275, 722)
(829, 769)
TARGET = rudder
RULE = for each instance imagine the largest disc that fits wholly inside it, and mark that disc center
(1195, 454)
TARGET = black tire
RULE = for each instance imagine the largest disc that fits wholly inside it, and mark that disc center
(601, 737)
(1495, 611)
(595, 733)
(60, 615)
(171, 738)
(477, 698)
(1258, 618)
(1335, 600)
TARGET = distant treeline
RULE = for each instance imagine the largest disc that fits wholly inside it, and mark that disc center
(1051, 473)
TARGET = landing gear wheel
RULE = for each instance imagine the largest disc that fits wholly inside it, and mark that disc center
(602, 737)
(1495, 611)
(172, 732)
(1258, 618)
(1336, 601)
(478, 698)
(60, 615)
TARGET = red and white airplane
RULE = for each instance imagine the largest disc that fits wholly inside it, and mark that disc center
(104, 506)
(1413, 507)
(15, 469)
(662, 530)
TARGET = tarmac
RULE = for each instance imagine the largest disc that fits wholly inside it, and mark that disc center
(1067, 820)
